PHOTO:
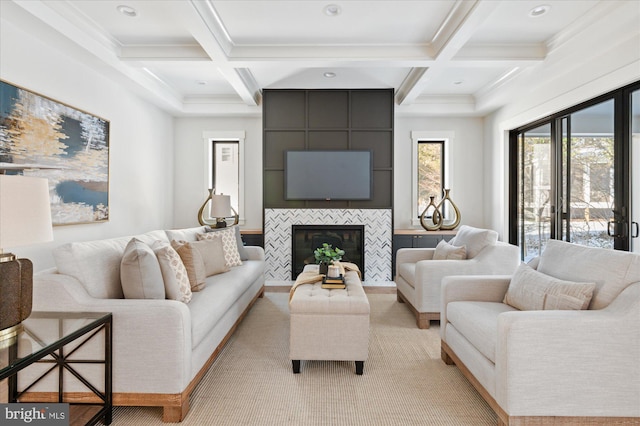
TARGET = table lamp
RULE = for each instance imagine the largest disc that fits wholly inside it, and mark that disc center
(25, 218)
(219, 209)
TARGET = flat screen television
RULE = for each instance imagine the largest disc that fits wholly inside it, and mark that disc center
(328, 175)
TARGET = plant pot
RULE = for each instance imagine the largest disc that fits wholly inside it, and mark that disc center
(324, 268)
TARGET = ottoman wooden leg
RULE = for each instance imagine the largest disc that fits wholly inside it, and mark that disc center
(296, 366)
(359, 367)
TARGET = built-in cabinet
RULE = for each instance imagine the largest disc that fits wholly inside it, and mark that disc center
(252, 237)
(415, 238)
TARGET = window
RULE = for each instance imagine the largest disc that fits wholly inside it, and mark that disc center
(224, 153)
(430, 172)
(569, 177)
(431, 167)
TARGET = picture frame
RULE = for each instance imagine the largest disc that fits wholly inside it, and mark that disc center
(42, 137)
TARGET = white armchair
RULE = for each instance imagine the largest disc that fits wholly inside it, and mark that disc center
(550, 365)
(419, 271)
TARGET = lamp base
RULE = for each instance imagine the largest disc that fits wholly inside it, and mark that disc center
(16, 295)
(221, 223)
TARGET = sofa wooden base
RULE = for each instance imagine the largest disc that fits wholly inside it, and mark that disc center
(450, 358)
(423, 319)
(174, 406)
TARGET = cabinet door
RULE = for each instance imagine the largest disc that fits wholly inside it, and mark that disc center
(426, 241)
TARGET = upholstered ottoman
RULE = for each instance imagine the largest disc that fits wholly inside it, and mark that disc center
(331, 325)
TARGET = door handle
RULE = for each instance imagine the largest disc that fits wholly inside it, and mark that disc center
(634, 230)
(612, 229)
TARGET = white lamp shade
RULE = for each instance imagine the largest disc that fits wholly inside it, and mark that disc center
(25, 211)
(220, 205)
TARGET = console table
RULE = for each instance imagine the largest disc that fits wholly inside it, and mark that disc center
(43, 339)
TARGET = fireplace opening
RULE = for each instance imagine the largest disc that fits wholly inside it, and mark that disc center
(306, 238)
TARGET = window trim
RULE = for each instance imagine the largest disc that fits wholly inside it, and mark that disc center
(448, 137)
(211, 136)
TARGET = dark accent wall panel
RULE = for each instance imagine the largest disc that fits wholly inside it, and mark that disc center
(359, 119)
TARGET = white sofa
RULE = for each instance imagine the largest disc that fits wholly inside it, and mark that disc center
(419, 275)
(161, 347)
(551, 366)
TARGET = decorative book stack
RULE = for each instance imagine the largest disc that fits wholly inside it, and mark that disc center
(330, 282)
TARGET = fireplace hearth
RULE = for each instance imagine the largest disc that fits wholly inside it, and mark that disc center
(306, 238)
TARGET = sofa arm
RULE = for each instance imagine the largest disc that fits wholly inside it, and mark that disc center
(430, 273)
(151, 338)
(254, 252)
(476, 288)
(571, 363)
(413, 255)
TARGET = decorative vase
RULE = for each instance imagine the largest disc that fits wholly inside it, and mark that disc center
(434, 222)
(446, 201)
(323, 268)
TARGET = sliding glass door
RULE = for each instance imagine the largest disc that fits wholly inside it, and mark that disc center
(634, 119)
(587, 197)
(571, 175)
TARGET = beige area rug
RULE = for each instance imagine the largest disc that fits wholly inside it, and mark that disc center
(404, 382)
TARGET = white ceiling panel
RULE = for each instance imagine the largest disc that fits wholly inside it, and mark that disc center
(202, 55)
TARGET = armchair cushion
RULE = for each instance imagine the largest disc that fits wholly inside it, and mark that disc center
(474, 239)
(446, 251)
(533, 290)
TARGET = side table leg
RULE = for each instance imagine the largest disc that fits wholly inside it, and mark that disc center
(359, 367)
(296, 366)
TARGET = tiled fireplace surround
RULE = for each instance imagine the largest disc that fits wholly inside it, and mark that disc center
(377, 233)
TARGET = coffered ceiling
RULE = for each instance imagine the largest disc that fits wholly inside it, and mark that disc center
(202, 57)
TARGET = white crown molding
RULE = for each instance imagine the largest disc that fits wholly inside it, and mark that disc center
(173, 52)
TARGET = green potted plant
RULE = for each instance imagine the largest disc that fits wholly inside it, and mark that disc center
(325, 255)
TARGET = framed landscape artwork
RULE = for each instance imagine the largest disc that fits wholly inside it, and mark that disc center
(45, 138)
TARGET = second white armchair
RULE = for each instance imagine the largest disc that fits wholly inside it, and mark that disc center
(419, 271)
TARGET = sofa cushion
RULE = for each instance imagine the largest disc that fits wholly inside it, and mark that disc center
(221, 292)
(239, 243)
(96, 264)
(140, 272)
(212, 254)
(532, 290)
(478, 322)
(193, 263)
(611, 270)
(174, 274)
(474, 239)
(229, 244)
(446, 251)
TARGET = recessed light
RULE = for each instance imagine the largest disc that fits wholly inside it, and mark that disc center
(127, 11)
(329, 74)
(539, 10)
(332, 10)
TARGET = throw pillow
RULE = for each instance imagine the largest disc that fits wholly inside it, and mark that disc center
(229, 244)
(533, 290)
(176, 279)
(212, 255)
(239, 243)
(193, 262)
(140, 272)
(446, 251)
(474, 239)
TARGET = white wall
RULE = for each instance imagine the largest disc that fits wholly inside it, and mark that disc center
(466, 166)
(599, 59)
(141, 138)
(190, 165)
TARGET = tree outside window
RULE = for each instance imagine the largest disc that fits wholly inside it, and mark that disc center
(430, 172)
